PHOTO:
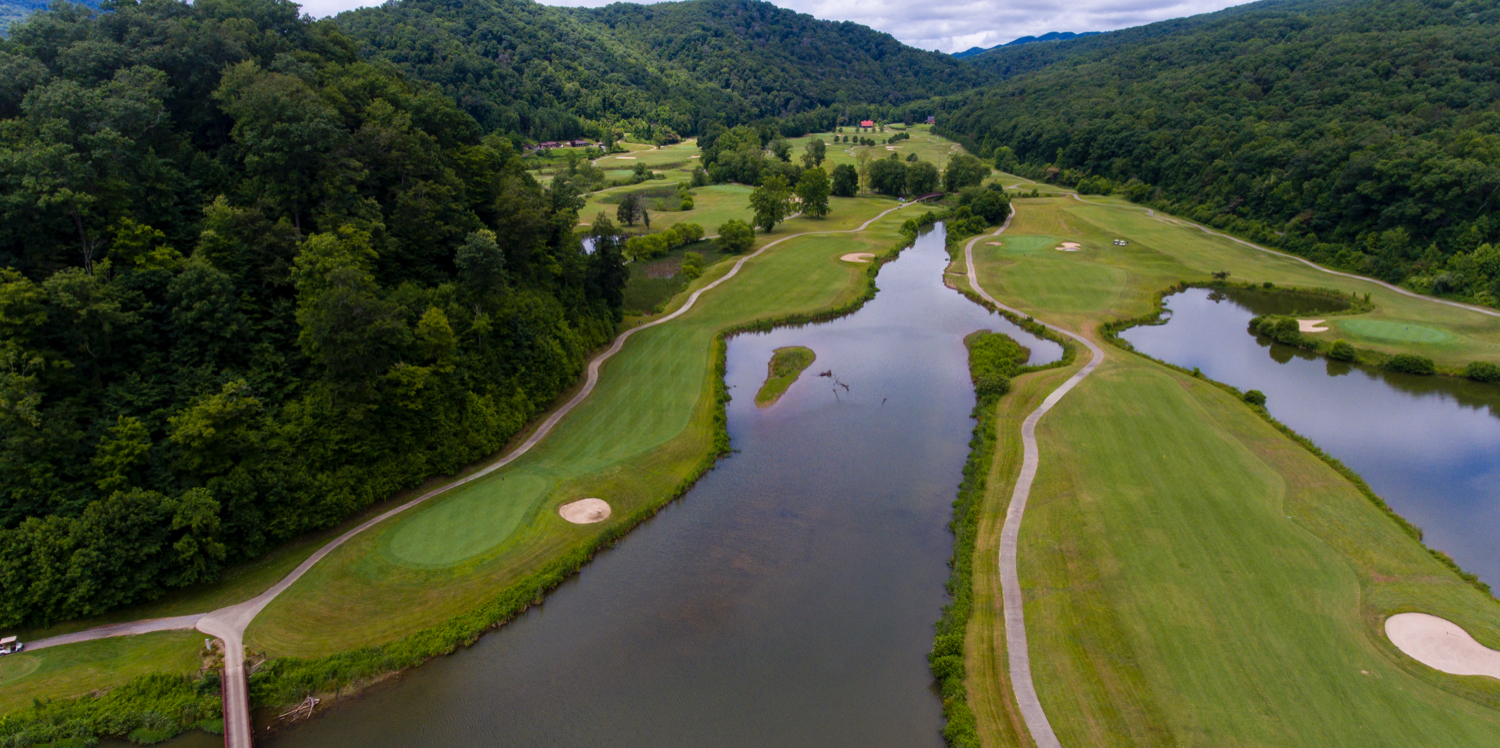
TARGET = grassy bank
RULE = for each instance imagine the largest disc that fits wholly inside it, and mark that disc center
(1193, 573)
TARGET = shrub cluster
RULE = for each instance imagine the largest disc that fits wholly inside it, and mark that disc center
(655, 245)
(148, 709)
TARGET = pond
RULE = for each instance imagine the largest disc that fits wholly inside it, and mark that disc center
(1429, 446)
(787, 599)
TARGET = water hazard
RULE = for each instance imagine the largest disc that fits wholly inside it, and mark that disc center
(1430, 446)
(788, 599)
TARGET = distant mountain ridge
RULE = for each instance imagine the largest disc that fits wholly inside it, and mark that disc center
(1050, 36)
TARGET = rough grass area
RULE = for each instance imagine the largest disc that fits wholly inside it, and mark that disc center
(75, 669)
(785, 366)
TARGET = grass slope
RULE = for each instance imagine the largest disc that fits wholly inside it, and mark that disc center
(1193, 576)
(58, 672)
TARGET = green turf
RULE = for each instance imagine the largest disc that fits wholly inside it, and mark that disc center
(782, 371)
(1191, 583)
(1192, 576)
(1391, 332)
(59, 672)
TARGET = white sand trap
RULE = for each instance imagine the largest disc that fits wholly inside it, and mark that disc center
(995, 244)
(585, 511)
(626, 158)
(1311, 325)
(857, 257)
(1070, 247)
(1441, 644)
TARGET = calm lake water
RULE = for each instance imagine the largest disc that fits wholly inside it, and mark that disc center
(788, 599)
(1430, 446)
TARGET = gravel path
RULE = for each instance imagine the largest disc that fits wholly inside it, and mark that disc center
(229, 623)
(1010, 582)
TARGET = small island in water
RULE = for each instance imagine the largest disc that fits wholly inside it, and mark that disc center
(786, 365)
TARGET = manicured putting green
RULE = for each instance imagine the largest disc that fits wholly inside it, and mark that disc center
(1063, 281)
(1395, 332)
(479, 518)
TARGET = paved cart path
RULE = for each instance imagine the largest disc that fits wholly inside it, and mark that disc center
(1010, 582)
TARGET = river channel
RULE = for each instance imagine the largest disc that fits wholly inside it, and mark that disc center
(1430, 446)
(787, 599)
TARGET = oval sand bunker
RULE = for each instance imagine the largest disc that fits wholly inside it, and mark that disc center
(585, 511)
(857, 257)
(1441, 644)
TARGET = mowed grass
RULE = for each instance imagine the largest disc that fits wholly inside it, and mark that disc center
(1105, 280)
(640, 435)
(1193, 577)
(58, 672)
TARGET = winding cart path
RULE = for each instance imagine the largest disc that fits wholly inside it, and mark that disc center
(1010, 582)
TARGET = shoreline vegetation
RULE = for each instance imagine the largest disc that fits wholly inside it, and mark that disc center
(286, 680)
(995, 360)
(783, 370)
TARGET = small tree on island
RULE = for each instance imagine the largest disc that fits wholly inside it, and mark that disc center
(771, 201)
(813, 190)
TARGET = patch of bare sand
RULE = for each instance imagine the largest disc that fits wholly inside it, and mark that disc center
(1069, 247)
(585, 511)
(995, 244)
(1311, 325)
(857, 257)
(1441, 644)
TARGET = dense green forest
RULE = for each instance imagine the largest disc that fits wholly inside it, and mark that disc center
(520, 67)
(1364, 135)
(249, 284)
(545, 72)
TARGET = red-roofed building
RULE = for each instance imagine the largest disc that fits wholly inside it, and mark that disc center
(867, 123)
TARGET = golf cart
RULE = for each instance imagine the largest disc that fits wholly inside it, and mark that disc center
(9, 645)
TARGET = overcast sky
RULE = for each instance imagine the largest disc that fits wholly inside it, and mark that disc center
(952, 25)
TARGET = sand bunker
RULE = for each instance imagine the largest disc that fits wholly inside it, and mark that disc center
(585, 511)
(1441, 644)
(1070, 247)
(1311, 325)
(857, 257)
(626, 158)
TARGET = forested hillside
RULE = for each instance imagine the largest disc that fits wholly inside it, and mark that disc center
(1363, 134)
(545, 72)
(779, 61)
(250, 283)
(534, 70)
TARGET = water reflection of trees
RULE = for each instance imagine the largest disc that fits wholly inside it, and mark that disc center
(1462, 391)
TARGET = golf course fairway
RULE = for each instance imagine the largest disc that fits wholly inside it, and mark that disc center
(1191, 574)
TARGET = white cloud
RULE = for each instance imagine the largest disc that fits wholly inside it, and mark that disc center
(950, 26)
